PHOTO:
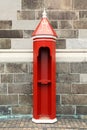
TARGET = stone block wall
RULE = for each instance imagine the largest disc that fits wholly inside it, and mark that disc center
(71, 88)
(15, 88)
(18, 19)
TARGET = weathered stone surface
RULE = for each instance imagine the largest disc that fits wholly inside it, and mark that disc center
(20, 88)
(58, 99)
(65, 110)
(75, 67)
(54, 24)
(27, 33)
(58, 4)
(61, 44)
(38, 14)
(76, 44)
(80, 4)
(22, 109)
(80, 24)
(62, 88)
(22, 78)
(79, 88)
(16, 68)
(59, 15)
(8, 9)
(74, 99)
(67, 33)
(22, 43)
(81, 110)
(5, 24)
(25, 99)
(83, 15)
(24, 24)
(5, 43)
(6, 78)
(67, 78)
(83, 78)
(4, 110)
(65, 24)
(11, 34)
(35, 4)
(83, 34)
(62, 68)
(80, 67)
(8, 99)
(1, 67)
(30, 68)
(3, 88)
(63, 15)
(25, 15)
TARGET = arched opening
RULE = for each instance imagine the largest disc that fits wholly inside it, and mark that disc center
(44, 82)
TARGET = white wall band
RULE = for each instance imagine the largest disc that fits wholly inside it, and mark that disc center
(27, 55)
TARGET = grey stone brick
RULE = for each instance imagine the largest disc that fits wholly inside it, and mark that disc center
(61, 44)
(65, 110)
(22, 109)
(76, 44)
(3, 88)
(65, 24)
(30, 68)
(63, 15)
(27, 33)
(78, 67)
(5, 24)
(67, 33)
(68, 78)
(6, 78)
(22, 43)
(75, 67)
(62, 88)
(8, 99)
(81, 110)
(83, 34)
(80, 24)
(35, 4)
(11, 34)
(79, 88)
(25, 15)
(59, 15)
(5, 43)
(38, 14)
(24, 24)
(1, 68)
(54, 24)
(16, 68)
(58, 4)
(23, 78)
(20, 88)
(74, 99)
(8, 9)
(25, 99)
(83, 78)
(58, 99)
(80, 4)
(83, 15)
(4, 110)
(62, 68)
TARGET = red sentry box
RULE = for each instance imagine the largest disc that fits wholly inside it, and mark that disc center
(44, 73)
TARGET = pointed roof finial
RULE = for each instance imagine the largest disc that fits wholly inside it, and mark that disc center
(44, 13)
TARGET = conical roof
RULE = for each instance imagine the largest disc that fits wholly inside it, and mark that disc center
(44, 28)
